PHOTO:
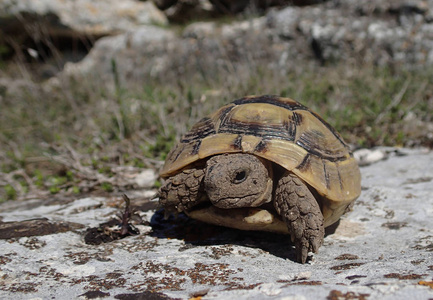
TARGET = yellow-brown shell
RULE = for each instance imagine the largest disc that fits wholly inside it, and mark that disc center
(284, 132)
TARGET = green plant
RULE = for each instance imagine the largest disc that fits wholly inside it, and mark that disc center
(138, 122)
(11, 193)
(106, 186)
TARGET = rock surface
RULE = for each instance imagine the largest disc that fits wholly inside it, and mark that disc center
(382, 249)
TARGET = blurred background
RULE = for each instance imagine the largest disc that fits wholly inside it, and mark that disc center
(93, 94)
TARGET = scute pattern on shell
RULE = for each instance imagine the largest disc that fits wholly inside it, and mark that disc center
(283, 131)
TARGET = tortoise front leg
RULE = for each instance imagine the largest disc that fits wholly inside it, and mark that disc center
(299, 209)
(182, 191)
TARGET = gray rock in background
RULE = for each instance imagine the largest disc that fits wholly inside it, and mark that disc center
(49, 33)
(145, 47)
(398, 33)
(382, 32)
(91, 18)
(382, 249)
(353, 32)
(156, 53)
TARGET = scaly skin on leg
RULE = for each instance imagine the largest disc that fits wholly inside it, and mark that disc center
(182, 191)
(299, 209)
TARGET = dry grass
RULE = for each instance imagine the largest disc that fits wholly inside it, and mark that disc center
(136, 125)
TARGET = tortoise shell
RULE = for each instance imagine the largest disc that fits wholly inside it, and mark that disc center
(283, 131)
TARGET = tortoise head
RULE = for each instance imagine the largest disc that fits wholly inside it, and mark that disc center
(238, 180)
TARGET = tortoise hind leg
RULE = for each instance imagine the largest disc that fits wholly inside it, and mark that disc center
(182, 191)
(299, 209)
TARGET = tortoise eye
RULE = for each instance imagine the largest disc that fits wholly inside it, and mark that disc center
(240, 177)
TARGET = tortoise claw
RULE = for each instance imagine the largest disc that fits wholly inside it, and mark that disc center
(301, 253)
(306, 244)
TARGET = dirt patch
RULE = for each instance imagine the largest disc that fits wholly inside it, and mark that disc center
(35, 227)
(404, 277)
(394, 225)
(346, 266)
(164, 276)
(338, 295)
(4, 260)
(425, 243)
(312, 282)
(33, 243)
(418, 180)
(417, 262)
(355, 277)
(143, 295)
(94, 295)
(218, 252)
(347, 256)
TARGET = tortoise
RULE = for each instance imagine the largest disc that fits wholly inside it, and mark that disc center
(263, 163)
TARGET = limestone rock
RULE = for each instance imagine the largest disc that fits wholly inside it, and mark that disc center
(358, 32)
(381, 249)
(94, 18)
